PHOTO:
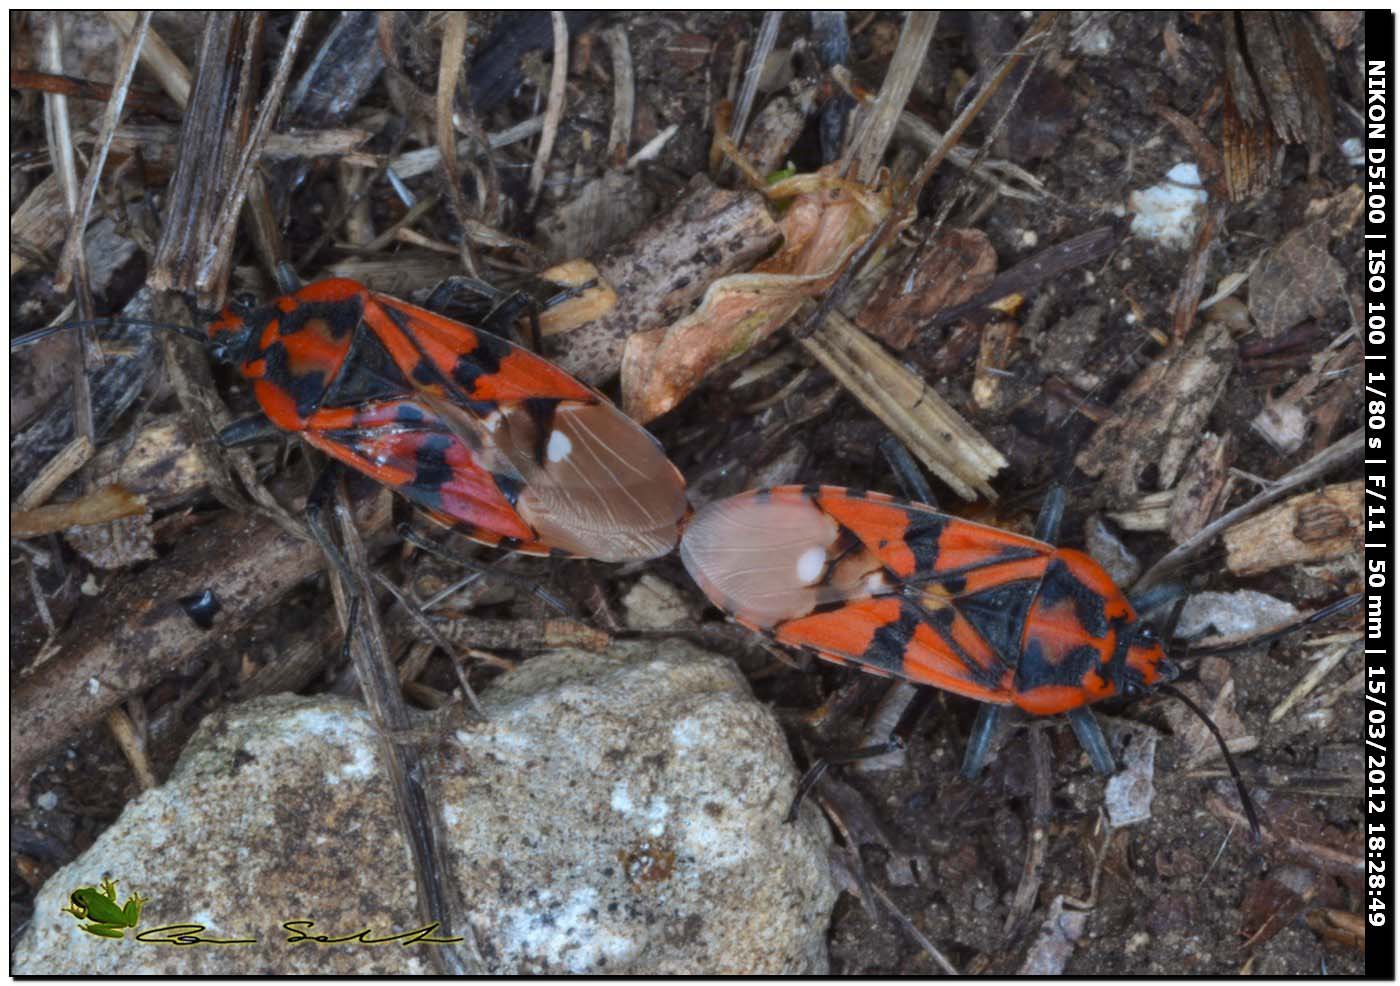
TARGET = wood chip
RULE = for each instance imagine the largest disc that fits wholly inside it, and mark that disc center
(1312, 527)
(592, 297)
(116, 544)
(1337, 927)
(1160, 417)
(948, 269)
(1204, 487)
(927, 424)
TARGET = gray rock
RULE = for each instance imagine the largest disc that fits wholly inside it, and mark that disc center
(618, 813)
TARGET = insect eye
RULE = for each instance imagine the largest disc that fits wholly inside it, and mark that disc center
(244, 301)
(1133, 690)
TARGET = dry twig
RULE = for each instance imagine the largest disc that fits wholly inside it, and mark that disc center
(1340, 451)
(554, 108)
(867, 150)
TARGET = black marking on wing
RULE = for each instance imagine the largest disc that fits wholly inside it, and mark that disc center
(510, 486)
(922, 536)
(845, 542)
(1059, 584)
(541, 411)
(424, 373)
(887, 646)
(306, 388)
(432, 471)
(999, 616)
(368, 373)
(955, 578)
(482, 361)
(409, 414)
(941, 620)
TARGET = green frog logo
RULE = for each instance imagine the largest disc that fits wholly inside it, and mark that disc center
(99, 908)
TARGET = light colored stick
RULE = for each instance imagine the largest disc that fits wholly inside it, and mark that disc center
(554, 109)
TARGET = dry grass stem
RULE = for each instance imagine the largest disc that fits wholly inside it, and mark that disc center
(554, 108)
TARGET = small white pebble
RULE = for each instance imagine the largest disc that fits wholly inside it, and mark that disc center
(89, 586)
(1029, 238)
(1185, 173)
(48, 801)
(1351, 150)
(810, 564)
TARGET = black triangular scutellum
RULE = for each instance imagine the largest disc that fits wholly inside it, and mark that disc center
(999, 615)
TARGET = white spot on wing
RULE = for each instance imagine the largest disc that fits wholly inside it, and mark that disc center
(559, 446)
(810, 564)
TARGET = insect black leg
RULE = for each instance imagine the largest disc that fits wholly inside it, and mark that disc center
(486, 307)
(319, 502)
(898, 738)
(1156, 596)
(1086, 727)
(989, 723)
(1052, 511)
(287, 280)
(911, 479)
(248, 431)
(416, 539)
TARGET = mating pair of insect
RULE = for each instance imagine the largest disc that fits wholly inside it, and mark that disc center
(499, 444)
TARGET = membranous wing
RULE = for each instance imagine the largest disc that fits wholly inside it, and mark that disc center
(862, 578)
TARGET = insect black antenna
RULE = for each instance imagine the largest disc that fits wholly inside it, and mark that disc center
(1169, 631)
(1245, 799)
(1194, 673)
(29, 338)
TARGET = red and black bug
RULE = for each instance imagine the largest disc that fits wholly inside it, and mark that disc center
(897, 588)
(485, 436)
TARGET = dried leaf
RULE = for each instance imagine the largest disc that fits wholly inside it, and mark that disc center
(604, 212)
(1298, 278)
(1250, 153)
(827, 221)
(1268, 907)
